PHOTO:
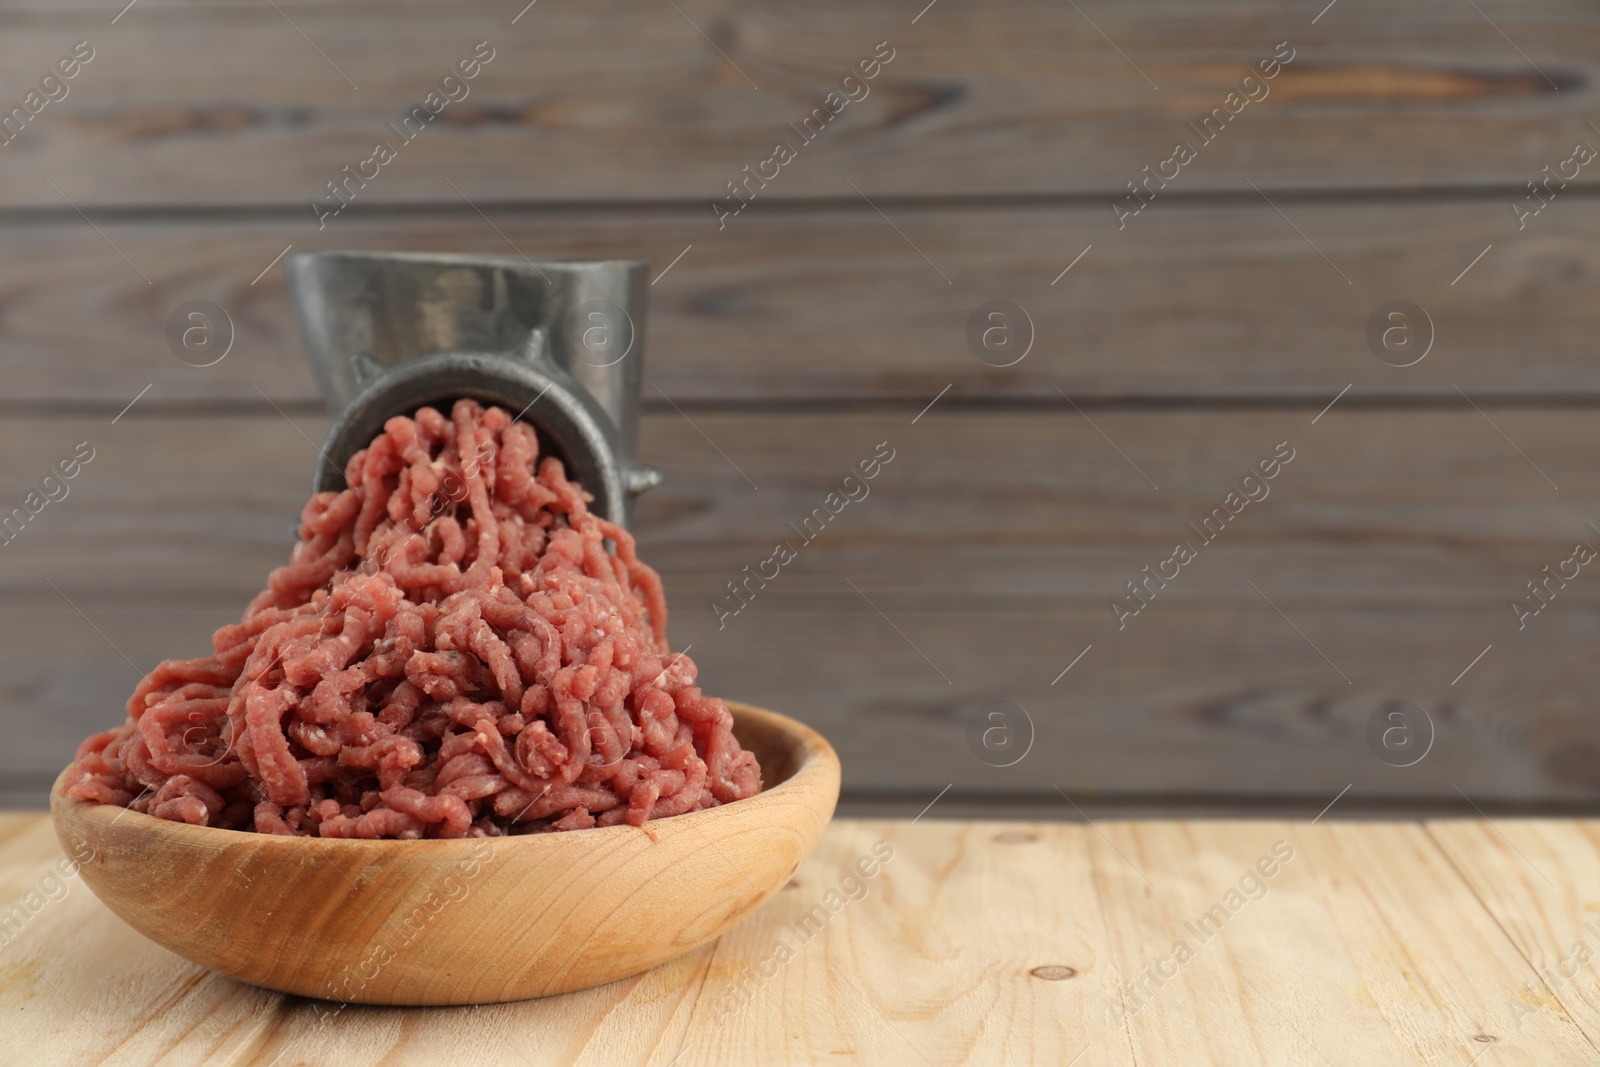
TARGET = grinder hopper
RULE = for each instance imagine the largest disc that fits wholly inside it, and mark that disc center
(561, 343)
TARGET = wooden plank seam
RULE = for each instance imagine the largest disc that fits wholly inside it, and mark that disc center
(1251, 90)
(852, 90)
(852, 490)
(454, 87)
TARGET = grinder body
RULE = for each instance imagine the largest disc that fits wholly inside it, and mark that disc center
(559, 345)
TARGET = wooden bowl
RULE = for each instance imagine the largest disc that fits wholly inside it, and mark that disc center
(460, 922)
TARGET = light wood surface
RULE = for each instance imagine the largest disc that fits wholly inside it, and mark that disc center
(975, 942)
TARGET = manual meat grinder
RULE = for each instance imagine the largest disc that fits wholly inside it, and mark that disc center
(561, 345)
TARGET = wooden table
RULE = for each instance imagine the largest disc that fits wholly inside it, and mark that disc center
(1447, 942)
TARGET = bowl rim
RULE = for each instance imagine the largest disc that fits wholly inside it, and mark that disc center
(816, 756)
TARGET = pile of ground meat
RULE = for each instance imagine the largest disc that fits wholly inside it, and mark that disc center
(452, 651)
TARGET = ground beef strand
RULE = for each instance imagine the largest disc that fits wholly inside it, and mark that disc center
(452, 651)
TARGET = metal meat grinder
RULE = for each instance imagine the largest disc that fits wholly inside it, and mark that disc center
(561, 345)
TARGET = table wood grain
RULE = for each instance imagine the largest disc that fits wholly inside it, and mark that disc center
(1142, 942)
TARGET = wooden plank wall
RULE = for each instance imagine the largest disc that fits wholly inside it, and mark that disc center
(1177, 352)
